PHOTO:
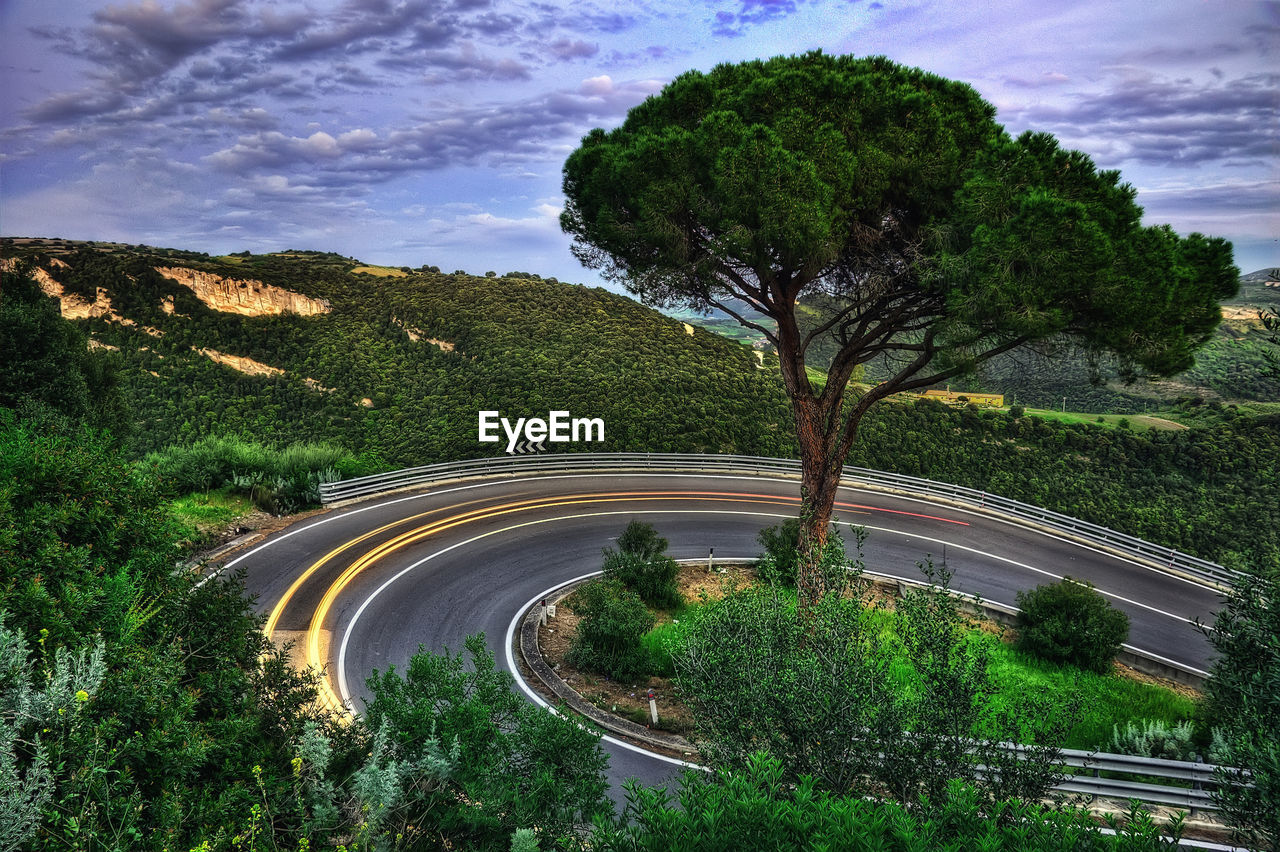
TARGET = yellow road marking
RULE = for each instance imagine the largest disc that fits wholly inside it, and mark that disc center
(313, 634)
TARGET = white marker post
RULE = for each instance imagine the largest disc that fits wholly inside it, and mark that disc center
(542, 613)
(711, 557)
(653, 706)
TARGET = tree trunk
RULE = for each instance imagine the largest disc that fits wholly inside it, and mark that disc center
(820, 477)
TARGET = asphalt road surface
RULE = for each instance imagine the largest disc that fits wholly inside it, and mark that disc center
(361, 588)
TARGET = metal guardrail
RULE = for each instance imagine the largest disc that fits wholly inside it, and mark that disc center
(1170, 558)
(1195, 797)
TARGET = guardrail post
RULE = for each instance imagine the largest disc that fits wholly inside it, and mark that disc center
(1195, 785)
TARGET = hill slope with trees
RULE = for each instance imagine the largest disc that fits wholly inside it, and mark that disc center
(355, 376)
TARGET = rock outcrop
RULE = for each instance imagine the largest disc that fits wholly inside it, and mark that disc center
(251, 367)
(243, 296)
(237, 362)
(418, 335)
(74, 306)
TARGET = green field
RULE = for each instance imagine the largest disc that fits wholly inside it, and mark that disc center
(212, 509)
(1136, 422)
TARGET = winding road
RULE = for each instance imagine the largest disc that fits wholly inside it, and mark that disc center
(361, 588)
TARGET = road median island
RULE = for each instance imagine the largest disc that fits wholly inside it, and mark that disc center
(543, 643)
(531, 653)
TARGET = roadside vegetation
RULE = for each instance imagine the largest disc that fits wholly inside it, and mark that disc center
(652, 640)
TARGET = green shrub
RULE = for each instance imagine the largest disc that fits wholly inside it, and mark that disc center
(779, 545)
(755, 808)
(613, 618)
(278, 481)
(654, 580)
(1070, 622)
(781, 558)
(1243, 693)
(641, 564)
(468, 762)
(1154, 738)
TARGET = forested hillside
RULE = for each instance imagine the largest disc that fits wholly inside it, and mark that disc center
(516, 343)
(396, 366)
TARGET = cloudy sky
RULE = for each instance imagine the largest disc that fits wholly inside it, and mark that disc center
(412, 132)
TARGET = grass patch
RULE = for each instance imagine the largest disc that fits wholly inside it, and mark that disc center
(381, 271)
(1136, 422)
(659, 643)
(1105, 700)
(218, 508)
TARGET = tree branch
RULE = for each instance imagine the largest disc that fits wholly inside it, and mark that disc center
(744, 321)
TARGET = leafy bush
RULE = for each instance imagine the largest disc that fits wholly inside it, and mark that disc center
(613, 618)
(1071, 622)
(781, 558)
(1154, 738)
(476, 761)
(641, 564)
(779, 545)
(755, 809)
(278, 481)
(1243, 694)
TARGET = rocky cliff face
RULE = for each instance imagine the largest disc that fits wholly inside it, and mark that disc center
(243, 296)
(73, 306)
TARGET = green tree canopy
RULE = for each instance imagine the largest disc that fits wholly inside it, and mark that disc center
(931, 238)
(47, 365)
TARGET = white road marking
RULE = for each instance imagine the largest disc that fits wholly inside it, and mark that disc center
(491, 483)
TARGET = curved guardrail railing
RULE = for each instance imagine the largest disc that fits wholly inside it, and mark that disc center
(971, 498)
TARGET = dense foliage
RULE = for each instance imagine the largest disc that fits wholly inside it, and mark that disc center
(483, 761)
(1209, 491)
(1070, 622)
(46, 363)
(641, 564)
(612, 620)
(755, 808)
(823, 695)
(1244, 700)
(185, 719)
